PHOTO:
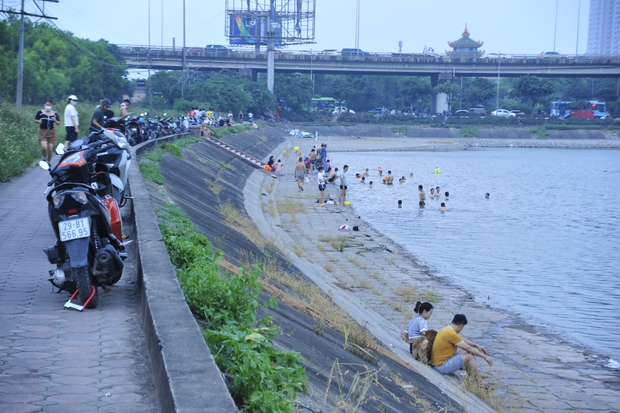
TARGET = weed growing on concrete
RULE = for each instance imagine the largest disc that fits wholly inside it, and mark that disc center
(244, 225)
(150, 171)
(290, 207)
(469, 131)
(430, 296)
(241, 343)
(356, 261)
(412, 391)
(214, 187)
(539, 132)
(486, 393)
(328, 267)
(409, 293)
(357, 395)
(363, 284)
(225, 165)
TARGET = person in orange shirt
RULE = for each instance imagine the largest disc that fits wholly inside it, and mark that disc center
(446, 357)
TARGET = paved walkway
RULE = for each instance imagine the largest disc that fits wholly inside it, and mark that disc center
(533, 373)
(52, 359)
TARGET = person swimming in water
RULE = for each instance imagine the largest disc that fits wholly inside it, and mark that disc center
(443, 207)
(447, 194)
(487, 195)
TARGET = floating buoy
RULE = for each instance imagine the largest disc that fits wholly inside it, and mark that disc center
(296, 148)
(437, 170)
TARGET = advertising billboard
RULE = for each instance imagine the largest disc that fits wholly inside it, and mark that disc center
(251, 30)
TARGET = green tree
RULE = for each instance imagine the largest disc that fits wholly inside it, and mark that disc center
(534, 88)
(296, 88)
(480, 90)
(416, 93)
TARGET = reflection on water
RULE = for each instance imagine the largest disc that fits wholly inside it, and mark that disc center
(546, 244)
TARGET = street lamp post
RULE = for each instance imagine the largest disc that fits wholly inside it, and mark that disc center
(499, 63)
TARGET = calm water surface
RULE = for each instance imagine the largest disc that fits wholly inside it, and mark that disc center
(546, 245)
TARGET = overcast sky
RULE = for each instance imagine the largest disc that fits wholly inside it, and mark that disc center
(512, 27)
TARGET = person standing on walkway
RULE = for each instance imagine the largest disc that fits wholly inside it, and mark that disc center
(72, 121)
(300, 174)
(322, 184)
(343, 185)
(324, 153)
(46, 119)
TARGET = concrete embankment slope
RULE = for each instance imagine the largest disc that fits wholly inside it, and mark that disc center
(204, 183)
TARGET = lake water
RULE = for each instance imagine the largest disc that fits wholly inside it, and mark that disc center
(545, 245)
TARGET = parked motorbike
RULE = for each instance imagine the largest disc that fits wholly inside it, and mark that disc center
(84, 197)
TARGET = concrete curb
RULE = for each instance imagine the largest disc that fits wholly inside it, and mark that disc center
(184, 372)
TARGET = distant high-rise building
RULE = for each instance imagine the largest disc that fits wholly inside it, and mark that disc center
(604, 27)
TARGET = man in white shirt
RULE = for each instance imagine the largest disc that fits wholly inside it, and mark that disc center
(343, 186)
(71, 121)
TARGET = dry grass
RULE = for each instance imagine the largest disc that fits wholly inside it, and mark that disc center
(333, 259)
(328, 267)
(412, 391)
(365, 284)
(409, 293)
(299, 251)
(290, 207)
(214, 187)
(487, 394)
(398, 306)
(321, 247)
(357, 262)
(376, 276)
(235, 219)
(321, 304)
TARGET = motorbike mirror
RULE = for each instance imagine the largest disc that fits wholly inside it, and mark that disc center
(60, 149)
(44, 165)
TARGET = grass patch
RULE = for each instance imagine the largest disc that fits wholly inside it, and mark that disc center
(469, 131)
(150, 171)
(486, 394)
(409, 293)
(240, 343)
(225, 165)
(290, 207)
(19, 140)
(400, 130)
(357, 262)
(328, 267)
(539, 132)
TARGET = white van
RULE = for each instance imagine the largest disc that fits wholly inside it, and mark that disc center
(477, 110)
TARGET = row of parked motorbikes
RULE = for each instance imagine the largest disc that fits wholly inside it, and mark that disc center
(138, 129)
(87, 190)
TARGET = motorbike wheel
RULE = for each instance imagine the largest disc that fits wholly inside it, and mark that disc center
(84, 287)
(132, 138)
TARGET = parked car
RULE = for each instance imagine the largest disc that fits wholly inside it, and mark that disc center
(477, 110)
(354, 52)
(341, 109)
(517, 113)
(461, 112)
(502, 113)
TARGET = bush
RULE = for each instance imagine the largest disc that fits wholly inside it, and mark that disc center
(469, 131)
(19, 141)
(265, 379)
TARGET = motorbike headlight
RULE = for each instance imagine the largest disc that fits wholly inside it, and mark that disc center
(58, 200)
(79, 197)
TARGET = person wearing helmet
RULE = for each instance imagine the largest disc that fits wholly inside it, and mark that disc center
(97, 121)
(71, 121)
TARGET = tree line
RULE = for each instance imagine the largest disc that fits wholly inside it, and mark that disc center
(58, 64)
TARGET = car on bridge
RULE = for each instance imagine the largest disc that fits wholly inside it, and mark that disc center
(353, 52)
(217, 48)
(547, 55)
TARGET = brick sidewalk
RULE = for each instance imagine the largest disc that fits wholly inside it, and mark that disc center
(57, 360)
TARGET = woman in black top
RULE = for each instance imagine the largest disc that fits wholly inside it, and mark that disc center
(46, 119)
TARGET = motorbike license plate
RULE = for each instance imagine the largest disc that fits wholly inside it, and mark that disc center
(74, 229)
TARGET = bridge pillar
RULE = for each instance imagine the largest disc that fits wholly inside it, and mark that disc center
(249, 74)
(439, 102)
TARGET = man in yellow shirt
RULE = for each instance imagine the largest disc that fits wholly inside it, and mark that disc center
(445, 357)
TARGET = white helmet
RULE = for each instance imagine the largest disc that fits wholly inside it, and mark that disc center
(73, 97)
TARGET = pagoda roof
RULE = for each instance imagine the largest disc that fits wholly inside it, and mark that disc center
(465, 41)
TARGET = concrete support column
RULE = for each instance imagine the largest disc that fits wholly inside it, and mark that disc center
(439, 102)
(249, 74)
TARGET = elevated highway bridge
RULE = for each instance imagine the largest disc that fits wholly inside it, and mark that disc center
(250, 63)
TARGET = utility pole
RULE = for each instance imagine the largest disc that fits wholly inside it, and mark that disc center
(20, 61)
(148, 56)
(183, 56)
